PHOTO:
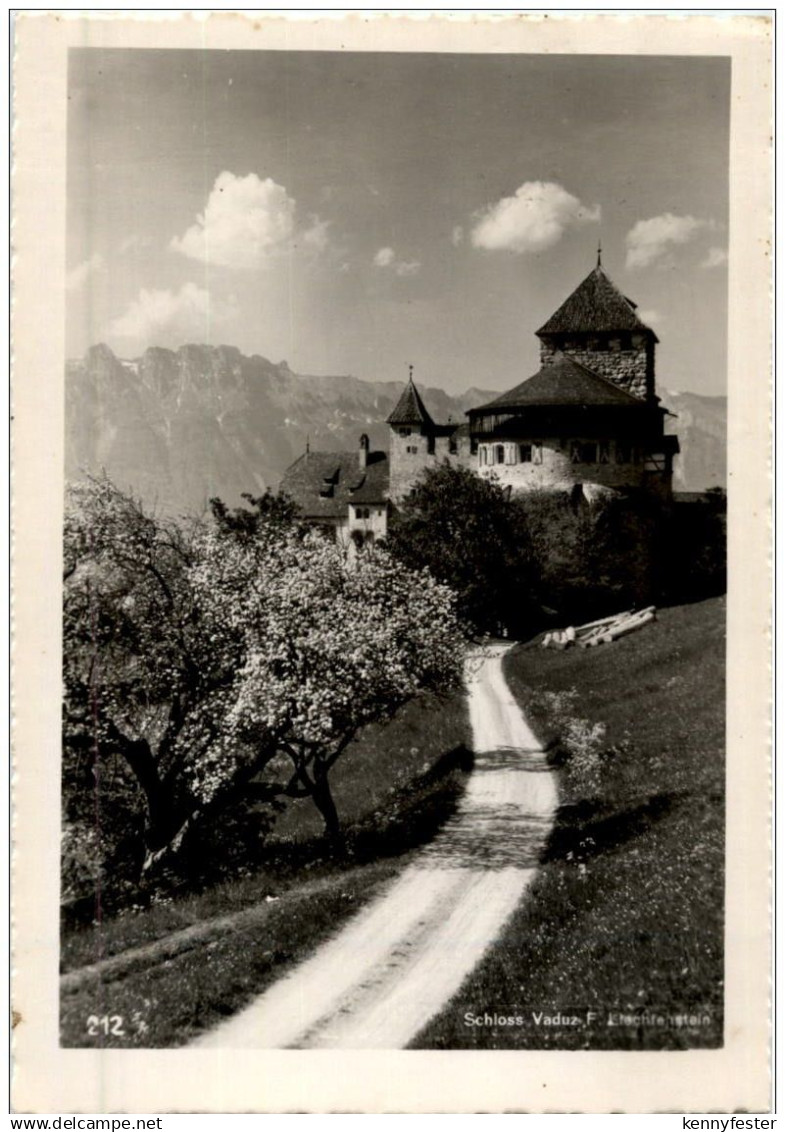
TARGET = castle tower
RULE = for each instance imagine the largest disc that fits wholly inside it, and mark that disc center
(590, 419)
(412, 440)
(598, 327)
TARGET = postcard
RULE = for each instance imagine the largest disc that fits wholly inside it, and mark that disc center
(391, 465)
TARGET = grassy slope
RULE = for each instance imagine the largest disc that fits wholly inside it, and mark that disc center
(627, 909)
(394, 786)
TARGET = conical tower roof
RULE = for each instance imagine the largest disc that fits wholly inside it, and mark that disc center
(596, 305)
(410, 409)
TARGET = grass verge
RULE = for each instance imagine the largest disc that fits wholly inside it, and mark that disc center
(625, 917)
(394, 787)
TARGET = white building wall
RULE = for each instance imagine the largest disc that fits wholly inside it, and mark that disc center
(368, 518)
(552, 467)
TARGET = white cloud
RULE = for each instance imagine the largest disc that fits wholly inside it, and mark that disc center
(79, 275)
(187, 313)
(386, 257)
(650, 240)
(715, 257)
(534, 219)
(246, 223)
(316, 236)
(457, 235)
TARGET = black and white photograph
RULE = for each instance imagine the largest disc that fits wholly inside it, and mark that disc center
(395, 510)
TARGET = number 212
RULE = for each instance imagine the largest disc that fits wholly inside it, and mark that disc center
(106, 1024)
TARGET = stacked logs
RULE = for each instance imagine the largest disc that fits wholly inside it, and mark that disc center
(600, 632)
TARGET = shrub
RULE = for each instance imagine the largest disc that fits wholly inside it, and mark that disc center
(590, 558)
(581, 744)
(693, 548)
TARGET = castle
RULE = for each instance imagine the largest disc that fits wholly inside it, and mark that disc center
(589, 422)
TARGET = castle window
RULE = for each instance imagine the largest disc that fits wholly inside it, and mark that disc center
(583, 452)
(473, 446)
(499, 454)
(511, 454)
(431, 445)
(453, 446)
(655, 462)
(604, 452)
(411, 449)
(404, 432)
(531, 453)
(614, 345)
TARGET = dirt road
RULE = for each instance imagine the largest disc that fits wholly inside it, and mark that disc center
(400, 961)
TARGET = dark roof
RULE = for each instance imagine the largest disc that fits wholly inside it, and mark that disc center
(595, 305)
(410, 409)
(322, 484)
(562, 382)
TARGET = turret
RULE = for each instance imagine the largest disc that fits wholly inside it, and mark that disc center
(599, 327)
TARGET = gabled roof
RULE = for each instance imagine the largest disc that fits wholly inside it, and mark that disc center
(563, 381)
(323, 484)
(410, 409)
(596, 305)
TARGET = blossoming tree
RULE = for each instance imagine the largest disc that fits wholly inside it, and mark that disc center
(216, 667)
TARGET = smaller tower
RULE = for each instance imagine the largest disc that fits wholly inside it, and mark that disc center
(412, 440)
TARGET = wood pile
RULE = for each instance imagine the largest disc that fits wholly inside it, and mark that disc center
(600, 632)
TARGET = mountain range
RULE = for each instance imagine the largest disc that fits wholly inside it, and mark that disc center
(178, 427)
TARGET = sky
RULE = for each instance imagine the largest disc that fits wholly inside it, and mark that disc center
(355, 213)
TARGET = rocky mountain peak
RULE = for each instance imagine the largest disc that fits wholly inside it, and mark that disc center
(181, 426)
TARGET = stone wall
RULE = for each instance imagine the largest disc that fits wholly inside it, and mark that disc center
(406, 465)
(553, 469)
(632, 370)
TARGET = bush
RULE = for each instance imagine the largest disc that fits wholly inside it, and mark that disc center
(581, 745)
(693, 548)
(589, 559)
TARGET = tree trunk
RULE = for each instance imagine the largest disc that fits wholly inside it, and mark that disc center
(323, 800)
(169, 847)
(161, 822)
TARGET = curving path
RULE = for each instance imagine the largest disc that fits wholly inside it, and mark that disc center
(400, 960)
